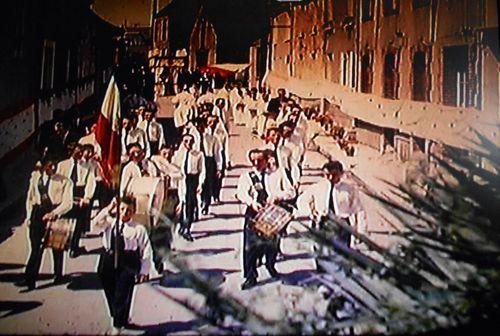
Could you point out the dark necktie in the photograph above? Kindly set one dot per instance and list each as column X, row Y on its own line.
column 186, row 163
column 43, row 189
column 147, row 131
column 202, row 144
column 142, row 167
column 121, row 241
column 331, row 206
column 74, row 172
column 262, row 194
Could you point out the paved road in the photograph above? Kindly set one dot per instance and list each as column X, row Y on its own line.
column 78, row 306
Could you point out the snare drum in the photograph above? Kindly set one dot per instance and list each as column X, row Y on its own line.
column 149, row 193
column 59, row 233
column 271, row 220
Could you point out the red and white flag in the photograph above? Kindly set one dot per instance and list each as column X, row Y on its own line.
column 108, row 133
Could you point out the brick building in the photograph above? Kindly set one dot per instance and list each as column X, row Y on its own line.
column 409, row 73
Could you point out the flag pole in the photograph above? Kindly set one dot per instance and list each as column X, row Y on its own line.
column 117, row 186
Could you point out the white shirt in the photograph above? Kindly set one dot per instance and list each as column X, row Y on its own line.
column 135, row 237
column 316, row 200
column 195, row 166
column 135, row 135
column 95, row 167
column 85, row 176
column 182, row 114
column 167, row 169
column 286, row 161
column 154, row 133
column 60, row 192
column 91, row 140
column 275, row 183
column 132, row 170
column 212, row 147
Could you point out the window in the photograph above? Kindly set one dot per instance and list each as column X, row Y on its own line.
column 421, row 77
column 390, row 76
column 164, row 30
column 421, row 3
column 366, row 73
column 391, row 7
column 455, row 88
column 158, row 31
column 48, row 56
column 367, row 10
column 348, row 69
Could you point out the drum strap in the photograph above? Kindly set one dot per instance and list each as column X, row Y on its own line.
column 259, row 187
column 43, row 189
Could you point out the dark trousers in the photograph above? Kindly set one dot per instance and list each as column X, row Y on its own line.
column 118, row 287
column 190, row 206
column 154, row 147
column 82, row 216
column 161, row 239
column 254, row 247
column 210, row 180
column 36, row 233
column 103, row 194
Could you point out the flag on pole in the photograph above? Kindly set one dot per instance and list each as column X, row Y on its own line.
column 108, row 133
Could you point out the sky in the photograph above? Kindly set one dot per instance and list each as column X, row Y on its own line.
column 134, row 11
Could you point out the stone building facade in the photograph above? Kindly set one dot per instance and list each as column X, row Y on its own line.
column 415, row 72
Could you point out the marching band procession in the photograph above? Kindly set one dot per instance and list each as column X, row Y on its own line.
column 179, row 176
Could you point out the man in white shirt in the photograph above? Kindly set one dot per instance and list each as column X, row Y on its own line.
column 50, row 196
column 293, row 141
column 84, row 186
column 256, row 189
column 333, row 197
column 137, row 166
column 212, row 149
column 219, row 111
column 222, row 135
column 192, row 165
column 90, row 139
column 131, row 242
column 154, row 133
column 286, row 161
column 132, row 134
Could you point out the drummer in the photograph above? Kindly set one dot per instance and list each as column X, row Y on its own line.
column 84, row 185
column 50, row 196
column 257, row 189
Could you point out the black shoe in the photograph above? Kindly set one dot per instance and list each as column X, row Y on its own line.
column 188, row 237
column 249, row 283
column 204, row 211
column 273, row 272
column 25, row 283
column 58, row 279
column 74, row 253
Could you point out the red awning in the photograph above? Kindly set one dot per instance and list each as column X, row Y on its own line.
column 216, row 71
